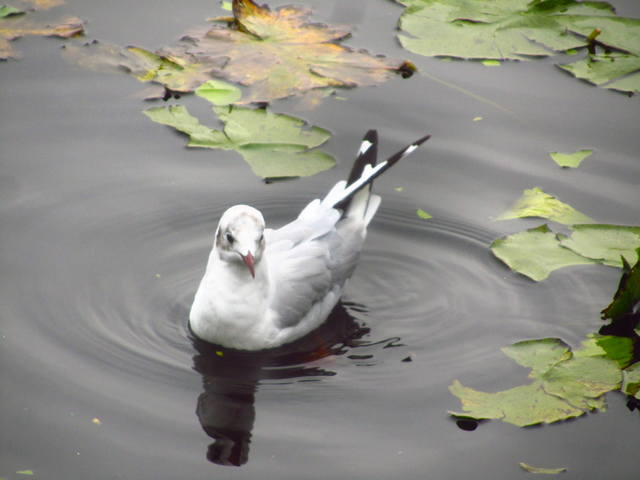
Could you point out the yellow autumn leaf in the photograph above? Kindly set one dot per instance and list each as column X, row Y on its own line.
column 274, row 53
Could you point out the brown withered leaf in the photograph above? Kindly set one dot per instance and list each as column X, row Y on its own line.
column 275, row 54
column 16, row 26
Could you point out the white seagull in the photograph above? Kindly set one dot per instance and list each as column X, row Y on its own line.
column 264, row 288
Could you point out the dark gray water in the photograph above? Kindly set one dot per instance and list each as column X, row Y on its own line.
column 106, row 224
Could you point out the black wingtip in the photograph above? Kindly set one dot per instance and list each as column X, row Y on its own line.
column 407, row 150
column 366, row 156
column 422, row 140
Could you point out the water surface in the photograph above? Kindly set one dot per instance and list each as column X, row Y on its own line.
column 106, row 225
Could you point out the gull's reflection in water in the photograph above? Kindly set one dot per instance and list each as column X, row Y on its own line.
column 230, row 379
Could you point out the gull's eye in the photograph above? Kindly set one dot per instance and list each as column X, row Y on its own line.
column 261, row 238
column 230, row 238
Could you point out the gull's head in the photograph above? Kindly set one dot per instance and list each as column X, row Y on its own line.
column 240, row 237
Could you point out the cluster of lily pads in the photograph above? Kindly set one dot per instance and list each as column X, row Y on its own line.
column 538, row 251
column 500, row 30
column 568, row 383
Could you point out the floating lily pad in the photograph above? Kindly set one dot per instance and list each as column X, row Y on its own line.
column 617, row 70
column 545, row 471
column 571, row 160
column 604, row 243
column 15, row 24
column 525, row 29
column 536, row 203
column 565, row 385
column 500, row 29
column 536, row 253
column 274, row 145
column 219, row 92
column 275, row 54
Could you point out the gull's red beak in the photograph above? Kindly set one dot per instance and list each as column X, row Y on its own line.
column 248, row 261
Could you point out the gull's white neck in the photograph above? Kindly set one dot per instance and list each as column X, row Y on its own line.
column 230, row 306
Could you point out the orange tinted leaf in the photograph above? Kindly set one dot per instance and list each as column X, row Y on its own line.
column 275, row 54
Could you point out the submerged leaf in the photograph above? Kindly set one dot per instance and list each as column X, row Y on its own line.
column 274, row 145
column 565, row 385
column 536, row 203
column 604, row 243
column 544, row 471
column 14, row 26
column 535, row 253
column 571, row 160
column 275, row 54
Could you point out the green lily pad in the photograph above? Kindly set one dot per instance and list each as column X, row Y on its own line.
column 545, row 471
column 219, row 92
column 500, row 29
column 525, row 29
column 535, row 253
column 604, row 243
column 602, row 68
column 571, row 160
column 565, row 385
column 617, row 70
column 274, row 145
column 536, row 203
